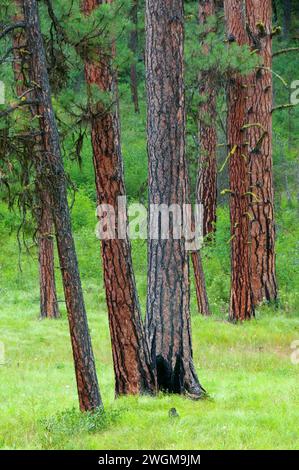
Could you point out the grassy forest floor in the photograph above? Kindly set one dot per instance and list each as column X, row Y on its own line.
column 246, row 369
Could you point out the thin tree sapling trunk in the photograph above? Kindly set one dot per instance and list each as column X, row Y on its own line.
column 207, row 180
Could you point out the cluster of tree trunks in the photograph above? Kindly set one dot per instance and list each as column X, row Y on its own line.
column 159, row 354
column 48, row 296
column 51, row 171
column 132, row 364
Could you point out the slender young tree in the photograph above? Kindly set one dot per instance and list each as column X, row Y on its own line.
column 134, row 49
column 207, row 180
column 168, row 323
column 241, row 302
column 48, row 296
column 132, row 364
column 50, row 168
column 259, row 105
column 200, row 284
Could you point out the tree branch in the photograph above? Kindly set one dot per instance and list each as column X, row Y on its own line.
column 285, row 51
column 11, row 27
column 8, row 52
column 58, row 28
column 16, row 106
column 283, row 106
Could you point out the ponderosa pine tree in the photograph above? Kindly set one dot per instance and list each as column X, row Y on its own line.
column 168, row 324
column 206, row 188
column 241, row 302
column 48, row 296
column 207, row 180
column 132, row 364
column 259, row 120
column 51, row 170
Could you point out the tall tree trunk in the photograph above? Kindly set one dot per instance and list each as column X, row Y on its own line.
column 132, row 364
column 50, row 167
column 168, row 314
column 259, row 104
column 241, row 302
column 48, row 297
column 206, row 189
column 207, row 180
column 134, row 49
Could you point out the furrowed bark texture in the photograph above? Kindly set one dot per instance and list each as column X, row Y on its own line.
column 168, row 316
column 134, row 48
column 132, row 363
column 207, row 180
column 259, row 105
column 54, row 178
column 48, row 297
column 241, row 302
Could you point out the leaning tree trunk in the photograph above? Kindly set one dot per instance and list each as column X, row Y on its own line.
column 48, row 296
column 132, row 364
column 168, row 315
column 134, row 48
column 259, row 104
column 241, row 303
column 207, row 180
column 53, row 176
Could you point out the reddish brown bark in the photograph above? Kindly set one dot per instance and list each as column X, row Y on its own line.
column 48, row 296
column 168, row 324
column 259, row 105
column 241, row 303
column 50, row 168
column 132, row 365
column 207, row 180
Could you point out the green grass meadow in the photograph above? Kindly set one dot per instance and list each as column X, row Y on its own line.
column 247, row 369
